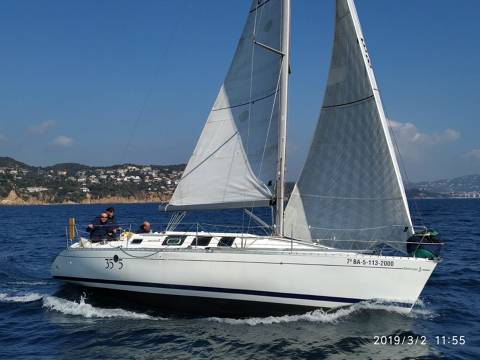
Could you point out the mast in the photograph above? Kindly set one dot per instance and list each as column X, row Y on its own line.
column 282, row 130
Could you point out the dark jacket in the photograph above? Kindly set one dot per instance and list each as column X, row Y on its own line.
column 112, row 221
column 101, row 231
column 141, row 230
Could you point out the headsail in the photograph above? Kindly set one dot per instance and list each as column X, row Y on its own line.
column 234, row 161
column 350, row 193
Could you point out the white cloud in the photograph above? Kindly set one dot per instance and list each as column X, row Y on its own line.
column 42, row 128
column 426, row 155
column 474, row 154
column 2, row 138
column 408, row 134
column 63, row 141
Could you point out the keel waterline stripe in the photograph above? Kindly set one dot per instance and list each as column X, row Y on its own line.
column 216, row 290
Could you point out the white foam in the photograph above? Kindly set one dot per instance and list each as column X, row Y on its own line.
column 327, row 317
column 313, row 316
column 20, row 298
column 81, row 308
column 418, row 310
column 28, row 283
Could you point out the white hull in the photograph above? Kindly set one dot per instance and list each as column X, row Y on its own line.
column 299, row 276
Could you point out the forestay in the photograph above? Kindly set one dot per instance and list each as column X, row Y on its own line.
column 234, row 161
column 350, row 193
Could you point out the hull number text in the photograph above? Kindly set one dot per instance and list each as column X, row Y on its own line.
column 370, row 262
column 113, row 263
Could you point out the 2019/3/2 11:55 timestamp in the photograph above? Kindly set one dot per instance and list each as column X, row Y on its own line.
column 418, row 340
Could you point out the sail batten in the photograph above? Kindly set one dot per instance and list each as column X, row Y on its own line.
column 348, row 103
column 235, row 159
column 350, row 193
column 247, row 103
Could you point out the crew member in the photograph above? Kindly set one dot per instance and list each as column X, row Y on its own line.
column 100, row 229
column 145, row 228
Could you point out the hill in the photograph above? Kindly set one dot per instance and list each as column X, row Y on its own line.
column 8, row 162
column 467, row 186
column 72, row 182
column 459, row 184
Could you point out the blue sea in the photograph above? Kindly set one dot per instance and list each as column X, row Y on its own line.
column 42, row 319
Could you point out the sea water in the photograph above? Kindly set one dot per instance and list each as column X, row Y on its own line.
column 42, row 319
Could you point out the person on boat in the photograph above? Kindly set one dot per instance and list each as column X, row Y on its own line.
column 111, row 215
column 145, row 228
column 100, row 229
column 111, row 219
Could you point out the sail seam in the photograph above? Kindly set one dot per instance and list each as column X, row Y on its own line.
column 348, row 103
column 343, row 16
column 360, row 229
column 247, row 103
column 346, row 198
column 209, row 156
column 259, row 6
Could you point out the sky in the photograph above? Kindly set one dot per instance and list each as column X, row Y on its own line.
column 114, row 81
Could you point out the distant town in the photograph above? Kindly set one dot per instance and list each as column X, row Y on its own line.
column 75, row 183
column 467, row 186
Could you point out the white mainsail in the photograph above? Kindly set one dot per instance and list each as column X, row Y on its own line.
column 235, row 160
column 350, row 193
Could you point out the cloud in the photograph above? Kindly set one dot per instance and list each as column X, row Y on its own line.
column 62, row 141
column 474, row 154
column 42, row 128
column 2, row 138
column 426, row 155
column 407, row 133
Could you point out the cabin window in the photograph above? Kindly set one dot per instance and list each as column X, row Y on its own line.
column 136, row 241
column 201, row 241
column 174, row 240
column 226, row 241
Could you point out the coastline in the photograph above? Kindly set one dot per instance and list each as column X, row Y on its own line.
column 131, row 200
column 100, row 201
column 14, row 200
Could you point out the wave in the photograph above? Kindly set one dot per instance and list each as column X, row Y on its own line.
column 20, row 298
column 313, row 316
column 27, row 283
column 81, row 308
column 330, row 316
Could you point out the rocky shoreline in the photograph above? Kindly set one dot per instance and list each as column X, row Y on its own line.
column 14, row 199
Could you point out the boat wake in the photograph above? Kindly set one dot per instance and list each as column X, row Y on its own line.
column 20, row 298
column 312, row 316
column 332, row 317
column 81, row 308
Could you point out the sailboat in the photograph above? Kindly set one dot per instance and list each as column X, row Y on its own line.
column 326, row 249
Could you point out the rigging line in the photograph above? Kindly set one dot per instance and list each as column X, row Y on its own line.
column 252, row 57
column 166, row 50
column 403, row 169
column 251, row 77
column 271, row 117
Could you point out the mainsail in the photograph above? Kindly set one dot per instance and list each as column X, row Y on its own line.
column 350, row 193
column 235, row 160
